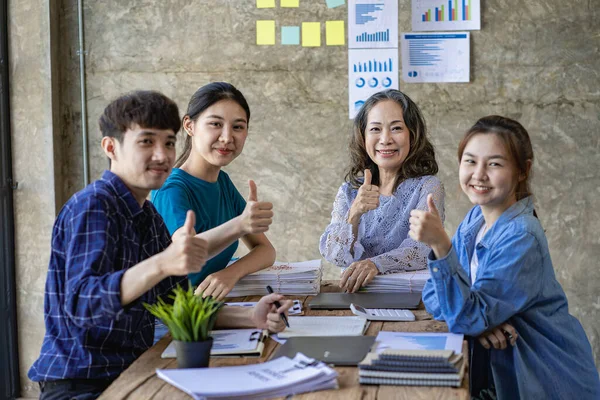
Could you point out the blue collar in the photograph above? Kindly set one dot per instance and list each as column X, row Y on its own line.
column 124, row 195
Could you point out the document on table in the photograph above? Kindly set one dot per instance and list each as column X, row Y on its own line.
column 324, row 326
column 419, row 341
column 294, row 310
column 229, row 342
column 280, row 377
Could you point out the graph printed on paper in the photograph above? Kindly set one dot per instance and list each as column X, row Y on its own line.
column 446, row 15
column 372, row 24
column 370, row 71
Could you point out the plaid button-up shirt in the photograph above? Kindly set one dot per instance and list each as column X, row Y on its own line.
column 100, row 233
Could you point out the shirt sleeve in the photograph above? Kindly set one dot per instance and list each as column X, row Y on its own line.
column 507, row 284
column 337, row 239
column 93, row 286
column 172, row 203
column 430, row 300
column 412, row 255
column 238, row 200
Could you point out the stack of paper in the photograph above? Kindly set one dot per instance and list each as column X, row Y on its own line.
column 324, row 326
column 417, row 359
column 276, row 378
column 400, row 282
column 412, row 368
column 301, row 278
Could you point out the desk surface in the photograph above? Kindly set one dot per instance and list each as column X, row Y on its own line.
column 139, row 381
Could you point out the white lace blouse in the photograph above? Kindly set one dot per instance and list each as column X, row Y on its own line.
column 383, row 232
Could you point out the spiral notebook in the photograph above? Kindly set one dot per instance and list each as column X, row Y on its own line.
column 230, row 343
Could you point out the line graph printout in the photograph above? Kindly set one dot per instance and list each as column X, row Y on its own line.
column 370, row 71
column 435, row 57
column 372, row 24
column 446, row 15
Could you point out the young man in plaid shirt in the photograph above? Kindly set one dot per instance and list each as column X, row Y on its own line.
column 111, row 252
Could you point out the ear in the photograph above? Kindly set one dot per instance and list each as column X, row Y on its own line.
column 108, row 145
column 188, row 125
column 524, row 176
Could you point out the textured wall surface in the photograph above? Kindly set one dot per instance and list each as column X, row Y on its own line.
column 535, row 61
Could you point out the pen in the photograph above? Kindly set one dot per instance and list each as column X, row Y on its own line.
column 277, row 304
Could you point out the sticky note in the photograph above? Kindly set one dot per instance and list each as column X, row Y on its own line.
column 265, row 3
column 334, row 33
column 265, row 32
column 311, row 34
column 335, row 3
column 290, row 35
column 290, row 3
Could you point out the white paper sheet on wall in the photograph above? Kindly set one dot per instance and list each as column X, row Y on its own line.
column 446, row 15
column 435, row 57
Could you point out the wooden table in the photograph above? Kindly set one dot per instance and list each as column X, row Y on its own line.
column 139, row 381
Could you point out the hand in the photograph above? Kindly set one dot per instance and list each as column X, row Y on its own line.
column 426, row 227
column 497, row 337
column 266, row 316
column 218, row 284
column 187, row 253
column 367, row 199
column 257, row 215
column 358, row 274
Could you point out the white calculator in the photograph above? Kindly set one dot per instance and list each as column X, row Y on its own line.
column 382, row 314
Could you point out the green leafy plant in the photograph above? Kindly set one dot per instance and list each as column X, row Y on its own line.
column 190, row 318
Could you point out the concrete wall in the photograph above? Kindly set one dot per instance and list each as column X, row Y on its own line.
column 535, row 61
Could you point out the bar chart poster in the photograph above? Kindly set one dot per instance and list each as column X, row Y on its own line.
column 370, row 71
column 446, row 15
column 372, row 24
column 435, row 57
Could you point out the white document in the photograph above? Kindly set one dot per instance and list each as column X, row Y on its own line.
column 243, row 342
column 324, row 326
column 435, row 57
column 446, row 15
column 419, row 341
column 370, row 71
column 294, row 310
column 372, row 24
column 279, row 377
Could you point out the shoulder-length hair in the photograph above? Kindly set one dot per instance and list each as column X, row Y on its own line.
column 420, row 160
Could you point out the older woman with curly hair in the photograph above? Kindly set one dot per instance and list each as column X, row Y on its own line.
column 391, row 173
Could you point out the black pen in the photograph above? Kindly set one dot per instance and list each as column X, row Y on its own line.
column 277, row 304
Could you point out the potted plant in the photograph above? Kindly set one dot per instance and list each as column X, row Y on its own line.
column 190, row 319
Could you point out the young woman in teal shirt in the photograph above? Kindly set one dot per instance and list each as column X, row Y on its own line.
column 216, row 124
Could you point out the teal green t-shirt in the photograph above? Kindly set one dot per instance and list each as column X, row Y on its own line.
column 214, row 204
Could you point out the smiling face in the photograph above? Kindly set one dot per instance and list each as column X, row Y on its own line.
column 218, row 134
column 387, row 140
column 488, row 175
column 143, row 159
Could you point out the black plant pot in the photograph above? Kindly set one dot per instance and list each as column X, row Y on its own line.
column 193, row 354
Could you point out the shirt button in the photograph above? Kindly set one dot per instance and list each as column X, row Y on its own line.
column 435, row 269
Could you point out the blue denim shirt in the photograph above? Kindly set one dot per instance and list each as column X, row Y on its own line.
column 515, row 283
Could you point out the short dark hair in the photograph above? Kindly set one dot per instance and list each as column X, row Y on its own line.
column 420, row 160
column 146, row 108
column 202, row 99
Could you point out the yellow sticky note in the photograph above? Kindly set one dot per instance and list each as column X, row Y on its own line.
column 334, row 33
column 290, row 3
column 265, row 33
column 265, row 3
column 311, row 34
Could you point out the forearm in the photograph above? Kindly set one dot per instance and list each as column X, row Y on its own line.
column 140, row 278
column 220, row 237
column 261, row 256
column 354, row 221
column 235, row 317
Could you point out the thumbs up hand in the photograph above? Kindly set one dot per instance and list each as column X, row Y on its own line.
column 367, row 199
column 257, row 215
column 427, row 227
column 187, row 253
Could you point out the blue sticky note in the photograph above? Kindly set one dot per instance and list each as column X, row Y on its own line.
column 335, row 3
column 290, row 35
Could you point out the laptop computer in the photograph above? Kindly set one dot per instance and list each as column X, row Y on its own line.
column 341, row 301
column 337, row 350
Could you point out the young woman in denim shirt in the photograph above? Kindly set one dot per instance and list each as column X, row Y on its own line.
column 392, row 172
column 497, row 270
